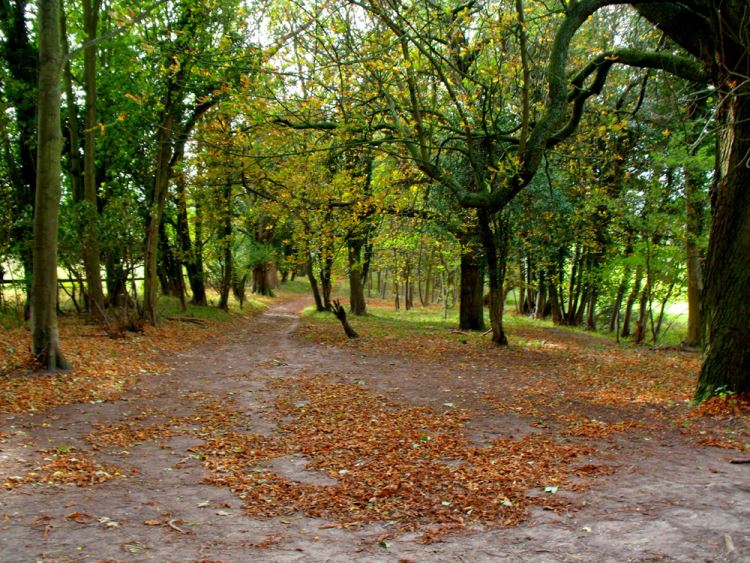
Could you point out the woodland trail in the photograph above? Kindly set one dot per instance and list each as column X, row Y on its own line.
column 667, row 500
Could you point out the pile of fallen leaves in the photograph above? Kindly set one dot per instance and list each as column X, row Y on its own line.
column 102, row 367
column 66, row 466
column 127, row 434
column 390, row 462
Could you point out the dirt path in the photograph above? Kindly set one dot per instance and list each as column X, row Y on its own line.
column 666, row 501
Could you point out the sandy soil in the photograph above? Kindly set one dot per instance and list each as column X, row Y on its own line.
column 668, row 500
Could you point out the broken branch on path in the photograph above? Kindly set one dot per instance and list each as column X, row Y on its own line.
column 340, row 313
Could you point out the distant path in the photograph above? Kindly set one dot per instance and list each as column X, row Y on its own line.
column 666, row 502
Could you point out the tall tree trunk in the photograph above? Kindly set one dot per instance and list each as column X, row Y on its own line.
column 640, row 327
column 471, row 306
column 75, row 165
column 194, row 261
column 90, row 236
column 693, row 231
column 325, row 281
column 45, row 336
column 226, row 243
column 156, row 210
column 557, row 315
column 726, row 307
column 540, row 306
column 116, row 280
column 356, row 285
column 314, row 285
column 169, row 267
column 591, row 309
column 428, row 279
column 631, row 301
column 261, row 279
column 495, row 248
column 619, row 296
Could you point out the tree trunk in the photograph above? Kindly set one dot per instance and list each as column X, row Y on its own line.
column 640, row 324
column 340, row 313
column 471, row 307
column 75, row 165
column 428, row 280
column 620, row 295
column 91, row 236
column 557, row 315
column 540, row 306
column 238, row 288
column 226, row 242
column 116, row 280
column 45, row 336
column 591, row 309
column 314, row 285
column 156, row 209
column 726, row 307
column 194, row 262
column 356, row 285
column 495, row 249
column 693, row 230
column 169, row 268
column 631, row 301
column 325, row 281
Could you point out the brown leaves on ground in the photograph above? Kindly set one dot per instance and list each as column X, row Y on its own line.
column 103, row 368
column 576, row 383
column 390, row 462
column 127, row 434
column 66, row 467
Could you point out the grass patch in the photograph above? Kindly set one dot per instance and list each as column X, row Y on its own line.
column 170, row 307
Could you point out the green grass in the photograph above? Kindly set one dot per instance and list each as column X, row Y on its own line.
column 298, row 286
column 386, row 320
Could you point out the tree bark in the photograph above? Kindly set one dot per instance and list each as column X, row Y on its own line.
column 356, row 286
column 340, row 313
column 471, row 307
column 631, row 301
column 495, row 249
column 194, row 254
column 540, row 306
column 156, row 210
column 226, row 244
column 325, row 281
column 45, row 336
column 620, row 295
column 693, row 229
column 314, row 285
column 91, row 259
column 726, row 307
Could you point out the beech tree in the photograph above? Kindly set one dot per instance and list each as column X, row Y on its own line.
column 45, row 337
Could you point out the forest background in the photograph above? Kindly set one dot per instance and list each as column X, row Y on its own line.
column 586, row 161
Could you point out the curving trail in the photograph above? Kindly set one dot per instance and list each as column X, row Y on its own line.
column 668, row 501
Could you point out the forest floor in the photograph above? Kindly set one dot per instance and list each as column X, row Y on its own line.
column 271, row 438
